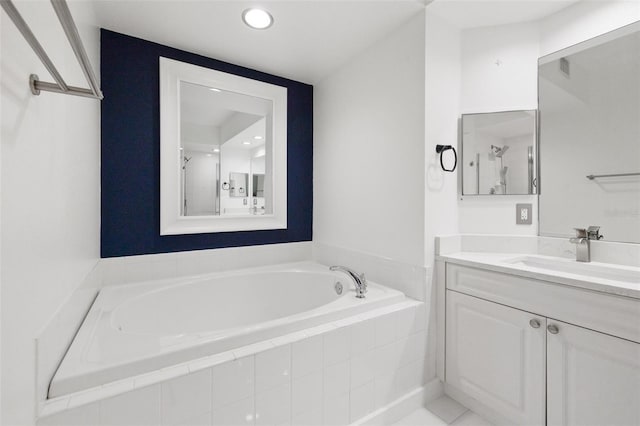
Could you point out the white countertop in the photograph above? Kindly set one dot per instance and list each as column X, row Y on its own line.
column 507, row 263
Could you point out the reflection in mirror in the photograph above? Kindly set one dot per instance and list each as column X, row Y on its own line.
column 217, row 131
column 589, row 97
column 498, row 153
column 222, row 135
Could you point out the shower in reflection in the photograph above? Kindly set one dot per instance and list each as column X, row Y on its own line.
column 501, row 170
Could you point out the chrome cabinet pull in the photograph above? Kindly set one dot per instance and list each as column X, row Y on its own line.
column 553, row 329
column 534, row 323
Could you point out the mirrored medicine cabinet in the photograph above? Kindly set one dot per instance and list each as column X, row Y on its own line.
column 223, row 151
column 499, row 153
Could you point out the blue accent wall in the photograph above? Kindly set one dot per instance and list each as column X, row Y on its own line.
column 130, row 149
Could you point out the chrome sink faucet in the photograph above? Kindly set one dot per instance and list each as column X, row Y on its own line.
column 359, row 279
column 582, row 240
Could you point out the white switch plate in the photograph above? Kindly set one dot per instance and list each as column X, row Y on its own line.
column 524, row 214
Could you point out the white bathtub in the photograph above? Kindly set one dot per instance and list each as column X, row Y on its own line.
column 136, row 328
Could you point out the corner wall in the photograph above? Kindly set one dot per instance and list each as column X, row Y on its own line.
column 49, row 196
column 369, row 150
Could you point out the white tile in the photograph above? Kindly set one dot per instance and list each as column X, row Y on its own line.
column 362, row 369
column 308, row 418
column 233, row 381
column 289, row 338
column 362, row 401
column 387, row 358
column 210, row 361
column 336, row 410
column 306, row 393
column 185, row 397
column 385, row 390
column 336, row 378
column 238, row 413
column 273, row 368
column 274, row 406
column 362, row 337
column 252, row 349
column 410, row 376
column 385, row 327
column 203, row 419
column 470, row 419
column 80, row 416
column 138, row 407
column 411, row 320
column 421, row 417
column 306, row 356
column 414, row 348
column 446, row 408
column 337, row 345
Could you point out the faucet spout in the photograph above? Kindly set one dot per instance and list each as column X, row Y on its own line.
column 359, row 279
column 583, row 246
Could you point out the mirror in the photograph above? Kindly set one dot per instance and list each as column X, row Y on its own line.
column 499, row 153
column 589, row 98
column 217, row 130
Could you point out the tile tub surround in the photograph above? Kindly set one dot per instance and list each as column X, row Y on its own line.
column 332, row 374
column 601, row 251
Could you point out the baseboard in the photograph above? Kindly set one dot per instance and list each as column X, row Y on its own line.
column 403, row 406
column 476, row 406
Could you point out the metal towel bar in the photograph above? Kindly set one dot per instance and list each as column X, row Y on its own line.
column 71, row 31
column 592, row 177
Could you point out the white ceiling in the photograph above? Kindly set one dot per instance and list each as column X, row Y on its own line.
column 485, row 13
column 308, row 40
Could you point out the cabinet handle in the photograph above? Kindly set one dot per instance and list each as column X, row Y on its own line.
column 534, row 323
column 553, row 329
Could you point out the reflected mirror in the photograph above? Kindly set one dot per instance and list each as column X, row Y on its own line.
column 217, row 130
column 589, row 96
column 499, row 153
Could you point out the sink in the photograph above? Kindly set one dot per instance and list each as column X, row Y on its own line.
column 592, row 270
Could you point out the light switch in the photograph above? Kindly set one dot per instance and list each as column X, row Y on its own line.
column 523, row 214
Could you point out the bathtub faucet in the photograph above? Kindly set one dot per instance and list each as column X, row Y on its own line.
column 358, row 279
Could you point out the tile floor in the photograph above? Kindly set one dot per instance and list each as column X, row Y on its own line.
column 443, row 411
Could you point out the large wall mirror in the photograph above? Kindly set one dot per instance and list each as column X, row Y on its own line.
column 499, row 153
column 223, row 151
column 589, row 101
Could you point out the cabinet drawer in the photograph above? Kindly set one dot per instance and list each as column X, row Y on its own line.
column 615, row 315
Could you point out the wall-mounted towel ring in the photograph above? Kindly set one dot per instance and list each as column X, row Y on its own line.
column 440, row 149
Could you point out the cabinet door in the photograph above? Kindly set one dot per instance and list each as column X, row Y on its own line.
column 496, row 355
column 592, row 378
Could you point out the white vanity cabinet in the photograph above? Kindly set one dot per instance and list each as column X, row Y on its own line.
column 526, row 352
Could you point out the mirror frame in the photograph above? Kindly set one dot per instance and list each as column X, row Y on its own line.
column 172, row 72
column 536, row 153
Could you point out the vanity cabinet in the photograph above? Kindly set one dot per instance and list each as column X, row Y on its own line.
column 533, row 363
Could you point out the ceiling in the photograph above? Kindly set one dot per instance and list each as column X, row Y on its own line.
column 308, row 40
column 485, row 13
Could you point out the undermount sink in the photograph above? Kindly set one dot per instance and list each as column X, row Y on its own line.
column 593, row 270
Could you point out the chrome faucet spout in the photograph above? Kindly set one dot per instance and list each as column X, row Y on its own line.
column 583, row 246
column 359, row 279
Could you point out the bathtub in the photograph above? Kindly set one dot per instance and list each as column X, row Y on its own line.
column 137, row 328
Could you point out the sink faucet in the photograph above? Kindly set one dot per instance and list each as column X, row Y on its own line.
column 583, row 246
column 359, row 279
column 583, row 242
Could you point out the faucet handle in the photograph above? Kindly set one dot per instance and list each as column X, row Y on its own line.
column 594, row 233
column 580, row 232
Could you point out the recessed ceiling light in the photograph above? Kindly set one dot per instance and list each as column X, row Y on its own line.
column 213, row 89
column 209, row 155
column 246, row 143
column 257, row 18
column 258, row 138
column 216, row 149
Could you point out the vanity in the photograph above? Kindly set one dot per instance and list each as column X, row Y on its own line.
column 530, row 339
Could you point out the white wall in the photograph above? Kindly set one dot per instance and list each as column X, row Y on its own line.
column 442, row 109
column 499, row 73
column 585, row 20
column 50, row 194
column 369, row 150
